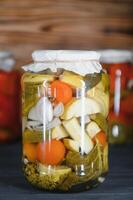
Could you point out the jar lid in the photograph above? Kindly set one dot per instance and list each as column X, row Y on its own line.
column 80, row 62
column 115, row 56
column 7, row 61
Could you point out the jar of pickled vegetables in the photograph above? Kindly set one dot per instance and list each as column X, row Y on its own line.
column 65, row 102
column 10, row 119
column 118, row 65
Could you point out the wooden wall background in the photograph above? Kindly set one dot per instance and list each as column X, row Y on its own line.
column 26, row 25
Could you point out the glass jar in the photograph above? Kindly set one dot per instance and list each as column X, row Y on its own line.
column 65, row 107
column 9, row 99
column 118, row 65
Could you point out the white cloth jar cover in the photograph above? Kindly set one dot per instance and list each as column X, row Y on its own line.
column 80, row 62
column 115, row 56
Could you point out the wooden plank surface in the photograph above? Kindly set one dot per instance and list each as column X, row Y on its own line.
column 64, row 24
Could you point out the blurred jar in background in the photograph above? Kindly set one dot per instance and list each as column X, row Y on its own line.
column 10, row 128
column 118, row 65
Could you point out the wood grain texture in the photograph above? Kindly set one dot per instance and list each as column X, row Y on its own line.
column 64, row 24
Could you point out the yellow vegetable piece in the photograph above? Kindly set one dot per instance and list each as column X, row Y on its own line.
column 74, row 130
column 92, row 129
column 72, row 79
column 101, row 98
column 79, row 107
column 59, row 132
column 71, row 144
column 36, row 78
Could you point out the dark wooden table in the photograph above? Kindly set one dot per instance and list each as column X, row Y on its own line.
column 118, row 185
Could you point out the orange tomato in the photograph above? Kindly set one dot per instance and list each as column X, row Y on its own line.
column 61, row 91
column 101, row 137
column 51, row 153
column 30, row 151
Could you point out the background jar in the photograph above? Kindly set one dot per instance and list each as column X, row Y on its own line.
column 118, row 65
column 10, row 124
column 65, row 107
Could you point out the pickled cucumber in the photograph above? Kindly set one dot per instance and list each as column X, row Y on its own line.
column 29, row 97
column 37, row 78
column 31, row 89
column 105, row 158
column 105, row 81
column 32, row 136
column 75, row 159
column 83, row 169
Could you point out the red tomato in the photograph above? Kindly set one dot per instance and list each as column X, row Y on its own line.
column 130, row 72
column 8, row 110
column 9, row 83
column 127, row 104
column 130, row 120
column 121, row 118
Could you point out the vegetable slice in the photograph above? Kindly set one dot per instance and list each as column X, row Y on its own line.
column 74, row 130
column 80, row 107
column 101, row 137
column 71, row 144
column 72, row 79
column 61, row 91
column 29, row 150
column 51, row 152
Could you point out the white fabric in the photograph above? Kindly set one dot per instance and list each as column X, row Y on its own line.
column 64, row 55
column 80, row 62
column 115, row 56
